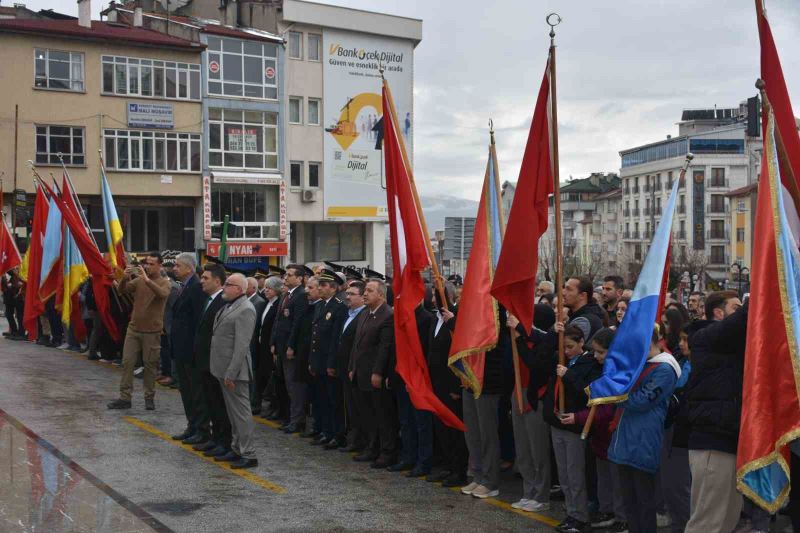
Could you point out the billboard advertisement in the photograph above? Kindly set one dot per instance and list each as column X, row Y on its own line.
column 353, row 165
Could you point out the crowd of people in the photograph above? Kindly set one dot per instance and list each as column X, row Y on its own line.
column 313, row 350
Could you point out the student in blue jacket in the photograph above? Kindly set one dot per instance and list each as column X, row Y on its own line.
column 638, row 428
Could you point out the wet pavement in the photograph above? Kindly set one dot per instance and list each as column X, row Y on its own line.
column 69, row 464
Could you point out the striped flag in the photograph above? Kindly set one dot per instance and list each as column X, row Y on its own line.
column 116, row 251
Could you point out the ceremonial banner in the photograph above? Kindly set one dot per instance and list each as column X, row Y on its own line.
column 628, row 351
column 514, row 283
column 116, row 251
column 34, row 306
column 9, row 253
column 478, row 324
column 409, row 259
column 50, row 276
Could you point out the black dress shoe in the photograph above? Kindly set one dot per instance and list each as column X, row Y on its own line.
column 119, row 404
column 365, row 457
column 216, row 451
column 400, row 467
column 350, row 448
column 309, row 434
column 195, row 439
column 150, row 404
column 255, row 410
column 437, row 476
column 418, row 472
column 93, row 357
column 185, row 435
column 229, row 457
column 245, row 463
column 334, row 444
column 320, row 440
column 382, row 462
column 204, row 446
column 455, row 480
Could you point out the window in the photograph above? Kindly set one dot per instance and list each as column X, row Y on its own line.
column 717, row 146
column 58, row 70
column 313, row 174
column 682, row 230
column 717, row 203
column 717, row 177
column 65, row 140
column 666, row 150
column 335, row 242
column 295, row 174
column 717, row 229
column 313, row 111
column 739, row 234
column 295, row 110
column 253, row 209
column 637, row 252
column 149, row 151
column 718, row 255
column 245, row 69
column 314, row 46
column 243, row 139
column 148, row 78
column 295, row 45
column 741, row 206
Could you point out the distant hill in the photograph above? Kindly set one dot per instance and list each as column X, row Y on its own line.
column 437, row 207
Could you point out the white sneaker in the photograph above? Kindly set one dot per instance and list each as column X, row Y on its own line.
column 534, row 507
column 469, row 488
column 64, row 346
column 483, row 492
column 663, row 520
column 138, row 371
column 520, row 504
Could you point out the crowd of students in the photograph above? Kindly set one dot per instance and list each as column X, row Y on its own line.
column 322, row 364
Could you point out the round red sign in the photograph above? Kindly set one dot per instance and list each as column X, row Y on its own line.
column 213, row 66
column 270, row 72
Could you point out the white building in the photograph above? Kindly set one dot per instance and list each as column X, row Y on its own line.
column 727, row 148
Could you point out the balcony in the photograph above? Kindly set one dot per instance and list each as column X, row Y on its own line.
column 680, row 235
column 635, row 189
column 669, row 185
column 636, row 212
column 626, row 235
column 647, row 211
column 627, row 190
column 611, row 216
column 646, row 187
column 626, row 212
column 572, row 205
column 716, row 208
column 718, row 183
column 635, row 235
column 658, row 211
column 682, row 209
column 657, row 187
column 718, row 235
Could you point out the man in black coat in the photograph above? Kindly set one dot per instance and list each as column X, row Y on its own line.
column 259, row 304
column 369, row 368
column 186, row 313
column 273, row 286
column 357, row 434
column 329, row 316
column 714, row 393
column 219, row 444
column 286, row 339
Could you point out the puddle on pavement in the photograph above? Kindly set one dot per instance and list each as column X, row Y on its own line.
column 43, row 490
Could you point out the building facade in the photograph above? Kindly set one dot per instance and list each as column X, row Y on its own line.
column 726, row 145
column 76, row 89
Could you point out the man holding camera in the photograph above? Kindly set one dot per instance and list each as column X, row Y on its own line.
column 143, row 339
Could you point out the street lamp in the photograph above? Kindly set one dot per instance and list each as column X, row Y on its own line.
column 740, row 270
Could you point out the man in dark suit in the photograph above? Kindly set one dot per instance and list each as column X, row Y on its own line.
column 219, row 444
column 329, row 316
column 273, row 287
column 357, row 436
column 285, row 340
column 186, row 313
column 370, row 364
column 259, row 304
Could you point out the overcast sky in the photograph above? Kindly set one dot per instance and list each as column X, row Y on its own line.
column 626, row 69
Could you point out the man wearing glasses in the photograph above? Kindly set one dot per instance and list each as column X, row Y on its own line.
column 143, row 338
column 231, row 365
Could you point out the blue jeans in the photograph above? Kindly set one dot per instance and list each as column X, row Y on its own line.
column 416, row 432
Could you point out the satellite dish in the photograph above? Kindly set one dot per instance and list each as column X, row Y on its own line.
column 172, row 5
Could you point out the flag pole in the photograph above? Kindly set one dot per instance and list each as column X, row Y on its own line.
column 437, row 277
column 512, row 332
column 553, row 20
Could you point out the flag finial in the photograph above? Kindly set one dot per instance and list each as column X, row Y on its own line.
column 381, row 68
column 491, row 131
column 553, row 20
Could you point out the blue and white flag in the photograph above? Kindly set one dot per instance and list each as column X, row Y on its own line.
column 628, row 352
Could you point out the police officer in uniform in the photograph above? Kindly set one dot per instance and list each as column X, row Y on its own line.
column 329, row 317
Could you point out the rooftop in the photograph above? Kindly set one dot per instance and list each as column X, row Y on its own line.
column 742, row 191
column 100, row 31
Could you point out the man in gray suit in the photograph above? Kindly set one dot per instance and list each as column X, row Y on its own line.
column 230, row 364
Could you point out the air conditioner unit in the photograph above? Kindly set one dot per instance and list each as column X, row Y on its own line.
column 309, row 195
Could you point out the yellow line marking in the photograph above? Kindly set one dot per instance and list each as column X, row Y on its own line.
column 507, row 507
column 249, row 476
column 277, row 488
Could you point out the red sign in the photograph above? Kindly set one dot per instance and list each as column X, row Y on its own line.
column 213, row 66
column 270, row 72
column 250, row 249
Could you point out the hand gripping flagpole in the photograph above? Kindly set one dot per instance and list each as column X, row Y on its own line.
column 553, row 20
